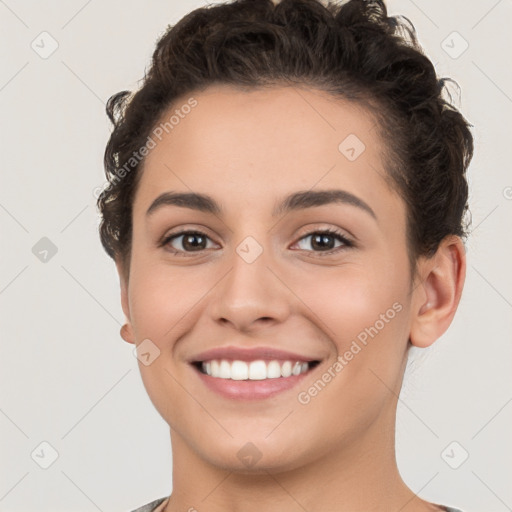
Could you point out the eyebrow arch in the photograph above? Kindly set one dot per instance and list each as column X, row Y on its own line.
column 296, row 201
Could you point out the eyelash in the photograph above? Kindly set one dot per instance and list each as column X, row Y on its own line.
column 332, row 232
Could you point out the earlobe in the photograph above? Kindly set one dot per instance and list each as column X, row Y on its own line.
column 437, row 297
column 127, row 333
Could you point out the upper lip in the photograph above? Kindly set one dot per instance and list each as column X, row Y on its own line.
column 250, row 354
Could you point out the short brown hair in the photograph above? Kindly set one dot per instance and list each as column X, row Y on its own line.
column 353, row 51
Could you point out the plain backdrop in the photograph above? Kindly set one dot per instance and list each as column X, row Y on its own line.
column 77, row 429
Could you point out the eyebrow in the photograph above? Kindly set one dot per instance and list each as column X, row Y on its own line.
column 296, row 201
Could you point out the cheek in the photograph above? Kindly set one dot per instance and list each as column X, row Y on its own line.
column 365, row 318
column 362, row 311
column 349, row 299
column 156, row 301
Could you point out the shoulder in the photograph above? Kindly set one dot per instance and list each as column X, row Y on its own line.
column 150, row 507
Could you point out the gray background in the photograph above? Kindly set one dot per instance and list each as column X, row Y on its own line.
column 69, row 380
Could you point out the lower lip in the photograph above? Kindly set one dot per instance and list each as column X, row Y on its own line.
column 250, row 389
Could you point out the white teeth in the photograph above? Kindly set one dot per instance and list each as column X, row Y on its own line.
column 239, row 370
column 224, row 370
column 286, row 369
column 273, row 370
column 255, row 370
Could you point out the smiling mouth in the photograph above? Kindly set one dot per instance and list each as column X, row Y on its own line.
column 253, row 370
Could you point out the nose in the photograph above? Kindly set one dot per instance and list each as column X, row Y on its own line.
column 251, row 295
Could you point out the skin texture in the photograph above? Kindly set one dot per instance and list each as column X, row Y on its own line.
column 248, row 150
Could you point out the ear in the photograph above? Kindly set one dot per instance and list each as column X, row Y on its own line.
column 438, row 293
column 126, row 330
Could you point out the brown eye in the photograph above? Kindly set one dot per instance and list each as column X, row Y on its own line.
column 186, row 241
column 323, row 241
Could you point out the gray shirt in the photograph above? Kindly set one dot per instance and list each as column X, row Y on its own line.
column 150, row 507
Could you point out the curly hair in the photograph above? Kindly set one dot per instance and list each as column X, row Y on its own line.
column 354, row 51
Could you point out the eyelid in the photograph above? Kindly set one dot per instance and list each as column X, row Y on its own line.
column 187, row 228
column 308, row 230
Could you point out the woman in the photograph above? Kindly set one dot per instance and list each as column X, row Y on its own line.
column 286, row 213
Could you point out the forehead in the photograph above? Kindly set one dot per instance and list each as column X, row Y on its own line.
column 249, row 144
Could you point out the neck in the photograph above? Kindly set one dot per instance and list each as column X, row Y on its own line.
column 359, row 476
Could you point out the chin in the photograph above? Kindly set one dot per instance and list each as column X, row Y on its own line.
column 250, row 454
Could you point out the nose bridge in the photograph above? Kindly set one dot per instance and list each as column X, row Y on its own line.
column 250, row 291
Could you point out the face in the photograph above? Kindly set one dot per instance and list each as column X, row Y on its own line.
column 277, row 272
